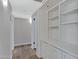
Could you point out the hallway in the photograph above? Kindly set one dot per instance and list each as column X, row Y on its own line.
column 38, row 29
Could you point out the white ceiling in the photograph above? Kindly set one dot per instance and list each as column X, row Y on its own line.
column 24, row 8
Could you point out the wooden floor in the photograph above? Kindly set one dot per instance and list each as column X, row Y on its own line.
column 24, row 52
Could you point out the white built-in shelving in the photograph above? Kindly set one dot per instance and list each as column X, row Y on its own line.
column 57, row 30
column 69, row 21
column 63, row 24
column 53, row 23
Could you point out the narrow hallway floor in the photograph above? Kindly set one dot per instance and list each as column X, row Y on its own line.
column 24, row 52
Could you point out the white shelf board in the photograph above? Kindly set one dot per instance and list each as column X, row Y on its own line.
column 53, row 26
column 68, row 11
column 53, row 18
column 53, row 7
column 66, row 23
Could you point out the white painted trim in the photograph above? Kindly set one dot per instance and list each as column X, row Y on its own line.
column 22, row 44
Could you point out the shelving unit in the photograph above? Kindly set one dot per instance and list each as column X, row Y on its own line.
column 63, row 25
column 53, row 23
column 69, row 21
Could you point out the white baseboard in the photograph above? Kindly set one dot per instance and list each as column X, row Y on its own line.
column 21, row 44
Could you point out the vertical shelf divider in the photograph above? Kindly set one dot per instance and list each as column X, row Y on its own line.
column 59, row 24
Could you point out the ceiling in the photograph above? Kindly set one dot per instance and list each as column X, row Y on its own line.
column 24, row 8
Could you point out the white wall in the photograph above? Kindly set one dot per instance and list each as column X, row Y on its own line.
column 5, row 48
column 22, row 31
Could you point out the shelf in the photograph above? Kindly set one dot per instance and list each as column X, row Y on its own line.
column 54, row 7
column 66, row 23
column 64, row 46
column 53, row 13
column 69, row 11
column 53, row 26
column 53, row 18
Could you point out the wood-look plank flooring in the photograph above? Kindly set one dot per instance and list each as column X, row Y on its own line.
column 24, row 52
